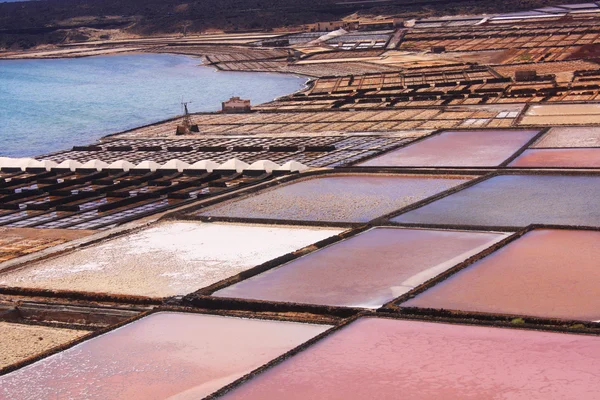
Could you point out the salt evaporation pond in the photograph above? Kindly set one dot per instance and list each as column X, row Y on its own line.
column 184, row 355
column 588, row 136
column 367, row 270
column 545, row 273
column 516, row 201
column 457, row 149
column 559, row 158
column 167, row 259
column 18, row 342
column 337, row 198
column 375, row 358
column 49, row 105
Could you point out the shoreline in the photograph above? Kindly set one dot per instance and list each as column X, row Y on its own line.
column 101, row 137
column 134, row 52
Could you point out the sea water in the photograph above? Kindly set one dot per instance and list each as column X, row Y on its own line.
column 50, row 105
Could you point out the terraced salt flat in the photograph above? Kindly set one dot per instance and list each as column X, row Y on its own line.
column 366, row 270
column 375, row 358
column 562, row 114
column 337, row 198
column 18, row 342
column 164, row 355
column 557, row 158
column 570, row 137
column 457, row 149
column 172, row 258
column 516, row 201
column 545, row 273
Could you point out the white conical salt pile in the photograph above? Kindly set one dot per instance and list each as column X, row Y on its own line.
column 147, row 165
column 263, row 165
column 175, row 165
column 98, row 165
column 331, row 35
column 233, row 164
column 122, row 165
column 293, row 166
column 25, row 163
column 35, row 164
column 4, row 160
column 69, row 164
column 208, row 165
column 47, row 164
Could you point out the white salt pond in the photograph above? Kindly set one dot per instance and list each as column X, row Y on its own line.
column 171, row 258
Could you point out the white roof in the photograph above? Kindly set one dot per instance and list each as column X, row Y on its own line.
column 46, row 164
column 150, row 165
column 208, row 165
column 28, row 163
column 292, row 166
column 25, row 163
column 175, row 164
column 263, row 165
column 121, row 164
column 21, row 163
column 95, row 164
column 234, row 164
column 69, row 164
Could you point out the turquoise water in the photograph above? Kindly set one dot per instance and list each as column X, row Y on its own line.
column 49, row 105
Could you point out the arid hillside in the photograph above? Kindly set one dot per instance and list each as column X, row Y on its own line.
column 26, row 24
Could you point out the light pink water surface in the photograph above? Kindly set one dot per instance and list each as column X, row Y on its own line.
column 457, row 149
column 187, row 356
column 393, row 359
column 566, row 158
column 366, row 270
column 545, row 273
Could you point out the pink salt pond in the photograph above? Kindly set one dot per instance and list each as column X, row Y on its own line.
column 545, row 273
column 565, row 158
column 457, row 149
column 394, row 359
column 164, row 355
column 366, row 270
